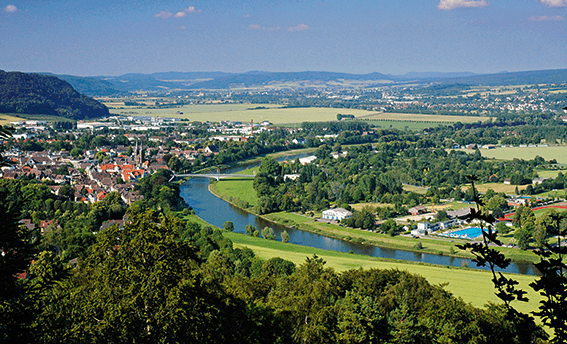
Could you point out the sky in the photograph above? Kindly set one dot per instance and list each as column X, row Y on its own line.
column 103, row 37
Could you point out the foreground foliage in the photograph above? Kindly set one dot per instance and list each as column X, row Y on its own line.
column 159, row 280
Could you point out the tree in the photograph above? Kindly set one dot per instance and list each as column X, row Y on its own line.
column 522, row 237
column 285, row 237
column 139, row 284
column 268, row 233
column 18, row 247
column 229, row 226
column 270, row 167
column 250, row 230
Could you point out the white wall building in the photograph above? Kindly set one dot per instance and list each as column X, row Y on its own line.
column 336, row 214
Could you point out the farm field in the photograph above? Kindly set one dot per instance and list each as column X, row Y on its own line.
column 458, row 280
column 276, row 115
column 404, row 125
column 553, row 152
column 243, row 113
column 549, row 173
column 393, row 116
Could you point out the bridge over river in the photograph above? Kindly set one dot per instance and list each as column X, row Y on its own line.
column 216, row 176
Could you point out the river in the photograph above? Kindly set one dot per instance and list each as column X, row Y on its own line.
column 216, row 211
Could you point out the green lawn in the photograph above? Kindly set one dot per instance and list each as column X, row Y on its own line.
column 472, row 285
column 236, row 188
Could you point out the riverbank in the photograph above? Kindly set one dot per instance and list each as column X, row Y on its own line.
column 458, row 281
column 232, row 190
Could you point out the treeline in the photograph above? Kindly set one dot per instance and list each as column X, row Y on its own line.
column 158, row 279
column 45, row 95
column 366, row 174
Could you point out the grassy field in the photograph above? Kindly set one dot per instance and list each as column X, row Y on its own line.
column 553, row 194
column 417, row 189
column 241, row 188
column 498, row 187
column 554, row 152
column 458, row 280
column 6, row 119
column 549, row 173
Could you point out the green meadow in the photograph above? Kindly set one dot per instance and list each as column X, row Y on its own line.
column 473, row 286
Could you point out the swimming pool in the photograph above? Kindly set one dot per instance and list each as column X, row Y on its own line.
column 467, row 233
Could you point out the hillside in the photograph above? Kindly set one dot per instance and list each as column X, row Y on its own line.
column 45, row 95
column 90, row 86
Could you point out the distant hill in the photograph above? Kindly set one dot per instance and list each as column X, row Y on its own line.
column 46, row 95
column 551, row 76
column 90, row 86
column 434, row 75
column 119, row 85
column 265, row 78
column 159, row 81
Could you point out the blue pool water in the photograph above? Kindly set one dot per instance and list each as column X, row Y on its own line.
column 468, row 233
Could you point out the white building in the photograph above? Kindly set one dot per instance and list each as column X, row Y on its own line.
column 336, row 214
column 307, row 159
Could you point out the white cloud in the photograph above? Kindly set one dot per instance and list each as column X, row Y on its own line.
column 453, row 4
column 163, row 15
column 180, row 14
column 191, row 9
column 255, row 27
column 546, row 18
column 300, row 27
column 10, row 9
column 554, row 3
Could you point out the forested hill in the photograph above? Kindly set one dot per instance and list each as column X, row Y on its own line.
column 46, row 95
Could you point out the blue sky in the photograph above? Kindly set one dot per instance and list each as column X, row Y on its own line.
column 85, row 37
